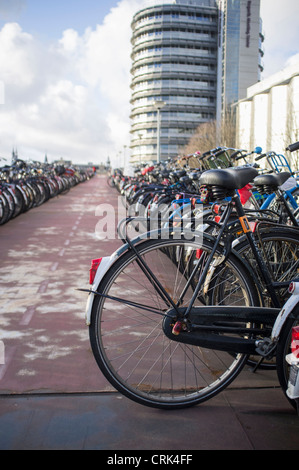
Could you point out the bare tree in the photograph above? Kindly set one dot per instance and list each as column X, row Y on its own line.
column 203, row 139
column 210, row 135
column 228, row 129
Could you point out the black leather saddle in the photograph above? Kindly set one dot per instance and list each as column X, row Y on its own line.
column 230, row 178
column 273, row 180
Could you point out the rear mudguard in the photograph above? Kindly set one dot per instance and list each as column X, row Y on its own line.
column 107, row 262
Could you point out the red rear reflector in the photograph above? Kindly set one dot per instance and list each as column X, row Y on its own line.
column 292, row 287
column 216, row 208
column 295, row 341
column 198, row 253
column 95, row 263
column 253, row 226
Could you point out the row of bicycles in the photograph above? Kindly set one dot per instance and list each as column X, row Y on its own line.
column 208, row 283
column 25, row 185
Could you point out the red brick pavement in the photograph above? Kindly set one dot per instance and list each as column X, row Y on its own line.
column 45, row 256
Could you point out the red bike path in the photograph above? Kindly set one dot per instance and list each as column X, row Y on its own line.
column 52, row 394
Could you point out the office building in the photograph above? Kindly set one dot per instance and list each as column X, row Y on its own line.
column 190, row 60
column 269, row 115
column 240, row 51
column 174, row 61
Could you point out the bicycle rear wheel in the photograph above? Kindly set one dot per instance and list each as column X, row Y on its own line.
column 128, row 341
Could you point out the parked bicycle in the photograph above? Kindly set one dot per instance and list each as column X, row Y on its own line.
column 24, row 185
column 174, row 316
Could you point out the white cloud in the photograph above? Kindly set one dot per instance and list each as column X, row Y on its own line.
column 293, row 60
column 16, row 56
column 70, row 98
column 280, row 23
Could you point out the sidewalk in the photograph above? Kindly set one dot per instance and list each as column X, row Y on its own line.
column 238, row 419
column 52, row 394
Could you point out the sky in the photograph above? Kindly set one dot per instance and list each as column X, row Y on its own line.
column 65, row 74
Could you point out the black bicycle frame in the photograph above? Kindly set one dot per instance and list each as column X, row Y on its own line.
column 235, row 203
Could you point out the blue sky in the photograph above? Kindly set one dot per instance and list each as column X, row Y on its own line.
column 65, row 66
column 49, row 18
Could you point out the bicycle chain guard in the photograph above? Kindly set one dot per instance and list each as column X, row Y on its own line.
column 210, row 327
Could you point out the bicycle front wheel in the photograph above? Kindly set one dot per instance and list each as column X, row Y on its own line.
column 280, row 251
column 128, row 341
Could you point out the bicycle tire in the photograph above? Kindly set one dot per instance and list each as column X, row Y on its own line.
column 11, row 203
column 5, row 211
column 110, row 182
column 189, row 375
column 18, row 202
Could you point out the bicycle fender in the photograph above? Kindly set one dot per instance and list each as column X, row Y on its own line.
column 285, row 312
column 108, row 261
column 101, row 271
column 103, row 268
column 163, row 233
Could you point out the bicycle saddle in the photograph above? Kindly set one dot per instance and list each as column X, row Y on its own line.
column 230, row 178
column 185, row 179
column 194, row 176
column 272, row 180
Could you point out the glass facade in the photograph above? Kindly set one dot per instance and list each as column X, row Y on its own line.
column 196, row 56
column 232, row 41
column 174, row 60
column 240, row 50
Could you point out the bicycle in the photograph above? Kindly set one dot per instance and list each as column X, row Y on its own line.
column 269, row 197
column 155, row 330
column 25, row 185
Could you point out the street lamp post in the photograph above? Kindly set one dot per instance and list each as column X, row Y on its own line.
column 140, row 137
column 159, row 104
column 125, row 156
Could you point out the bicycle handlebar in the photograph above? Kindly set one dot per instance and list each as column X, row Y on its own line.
column 234, row 154
column 210, row 152
column 263, row 155
column 293, row 147
column 243, row 155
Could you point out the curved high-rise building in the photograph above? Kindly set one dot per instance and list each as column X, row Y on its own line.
column 174, row 75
